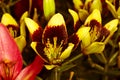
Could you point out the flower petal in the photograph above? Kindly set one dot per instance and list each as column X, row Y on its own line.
column 49, row 67
column 78, row 4
column 82, row 32
column 112, row 25
column 31, row 71
column 10, row 54
column 95, row 47
column 35, row 29
column 38, row 48
column 7, row 19
column 55, row 28
column 75, row 18
column 86, row 40
column 19, row 40
column 83, row 14
column 96, row 4
column 111, row 8
column 66, row 53
column 95, row 15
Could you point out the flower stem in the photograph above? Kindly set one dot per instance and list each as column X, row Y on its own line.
column 73, row 59
column 106, row 76
column 56, row 74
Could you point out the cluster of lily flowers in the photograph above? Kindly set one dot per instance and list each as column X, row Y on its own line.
column 52, row 44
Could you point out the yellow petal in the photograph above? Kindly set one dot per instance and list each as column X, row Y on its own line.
column 111, row 8
column 56, row 20
column 22, row 24
column 96, row 4
column 83, row 14
column 87, row 4
column 7, row 19
column 112, row 25
column 77, row 4
column 21, row 42
column 86, row 40
column 82, row 32
column 74, row 15
column 24, row 15
column 33, row 45
column 31, row 25
column 49, row 67
column 66, row 53
column 95, row 47
column 95, row 15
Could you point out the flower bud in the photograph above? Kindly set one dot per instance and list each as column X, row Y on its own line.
column 48, row 8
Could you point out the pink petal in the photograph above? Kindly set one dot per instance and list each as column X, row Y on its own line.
column 9, row 53
column 30, row 72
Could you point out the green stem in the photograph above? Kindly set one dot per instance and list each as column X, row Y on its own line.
column 106, row 69
column 56, row 74
column 115, row 41
column 94, row 65
column 73, row 59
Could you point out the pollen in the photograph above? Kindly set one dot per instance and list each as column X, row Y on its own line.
column 53, row 50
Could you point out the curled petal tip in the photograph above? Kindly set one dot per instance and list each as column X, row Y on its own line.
column 31, row 25
column 74, row 15
column 25, row 14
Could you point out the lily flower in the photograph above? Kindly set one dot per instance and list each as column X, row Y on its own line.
column 98, row 36
column 52, row 44
column 114, row 8
column 85, row 8
column 16, row 30
column 11, row 60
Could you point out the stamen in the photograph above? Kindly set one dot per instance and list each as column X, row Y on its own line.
column 8, row 69
column 55, row 42
column 53, row 51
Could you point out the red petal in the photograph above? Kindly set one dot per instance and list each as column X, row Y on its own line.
column 30, row 72
column 9, row 52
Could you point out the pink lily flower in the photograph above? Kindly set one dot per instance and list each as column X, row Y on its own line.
column 11, row 60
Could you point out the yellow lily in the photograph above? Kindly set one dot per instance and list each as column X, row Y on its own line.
column 53, row 44
column 14, row 28
column 95, row 40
